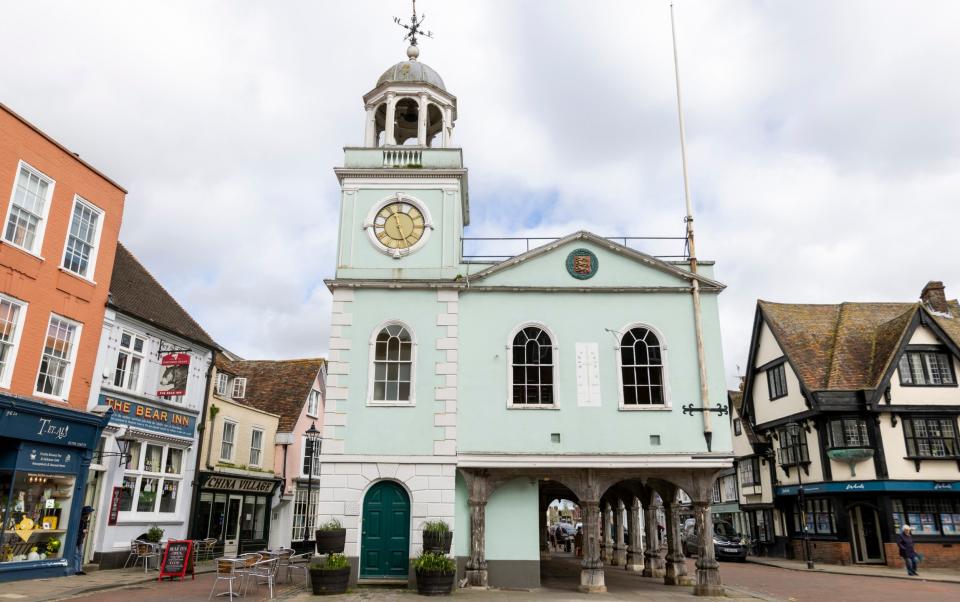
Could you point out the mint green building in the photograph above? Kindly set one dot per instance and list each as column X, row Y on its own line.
column 476, row 391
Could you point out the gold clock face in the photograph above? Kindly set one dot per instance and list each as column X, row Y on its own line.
column 398, row 225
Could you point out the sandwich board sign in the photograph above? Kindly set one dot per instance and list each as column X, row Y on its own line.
column 177, row 560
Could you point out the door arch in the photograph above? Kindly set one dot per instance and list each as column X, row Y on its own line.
column 385, row 532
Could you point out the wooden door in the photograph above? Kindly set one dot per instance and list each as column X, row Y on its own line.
column 385, row 537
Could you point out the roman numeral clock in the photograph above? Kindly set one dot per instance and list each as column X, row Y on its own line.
column 398, row 225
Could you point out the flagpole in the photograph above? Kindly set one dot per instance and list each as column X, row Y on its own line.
column 691, row 249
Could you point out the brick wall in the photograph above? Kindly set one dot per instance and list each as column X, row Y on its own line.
column 936, row 555
column 827, row 552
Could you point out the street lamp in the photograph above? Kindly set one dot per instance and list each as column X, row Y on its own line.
column 316, row 441
column 793, row 429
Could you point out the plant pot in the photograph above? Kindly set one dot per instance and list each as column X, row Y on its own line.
column 329, row 581
column 434, row 541
column 435, row 583
column 331, row 542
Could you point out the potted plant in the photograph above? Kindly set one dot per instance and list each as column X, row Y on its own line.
column 437, row 537
column 154, row 534
column 331, row 537
column 435, row 574
column 329, row 574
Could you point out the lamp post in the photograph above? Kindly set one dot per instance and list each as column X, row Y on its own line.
column 794, row 430
column 313, row 436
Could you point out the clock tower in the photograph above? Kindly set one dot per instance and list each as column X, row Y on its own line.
column 404, row 192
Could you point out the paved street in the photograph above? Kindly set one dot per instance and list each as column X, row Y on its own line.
column 560, row 580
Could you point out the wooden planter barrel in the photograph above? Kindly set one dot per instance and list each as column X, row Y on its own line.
column 331, row 542
column 326, row 582
column 434, row 541
column 435, row 583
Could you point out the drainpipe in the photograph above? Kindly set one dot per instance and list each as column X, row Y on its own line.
column 691, row 249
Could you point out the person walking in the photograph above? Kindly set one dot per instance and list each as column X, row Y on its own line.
column 907, row 551
column 81, row 536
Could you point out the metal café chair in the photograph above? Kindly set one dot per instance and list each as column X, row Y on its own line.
column 283, row 561
column 245, row 566
column 300, row 562
column 264, row 571
column 144, row 551
column 227, row 571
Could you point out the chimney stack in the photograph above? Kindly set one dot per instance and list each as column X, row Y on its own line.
column 934, row 298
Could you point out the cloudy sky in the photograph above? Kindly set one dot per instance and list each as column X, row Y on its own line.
column 824, row 139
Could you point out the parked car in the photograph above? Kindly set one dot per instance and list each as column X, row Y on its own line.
column 727, row 543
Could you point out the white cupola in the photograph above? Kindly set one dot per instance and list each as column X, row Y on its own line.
column 410, row 106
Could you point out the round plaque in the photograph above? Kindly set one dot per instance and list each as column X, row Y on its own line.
column 582, row 264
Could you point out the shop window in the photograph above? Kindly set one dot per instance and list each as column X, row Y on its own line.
column 174, row 461
column 129, row 360
column 641, row 368
column 934, row 437
column 58, row 355
column 764, row 525
column 928, row 516
column 847, row 432
column 28, row 209
column 226, row 442
column 168, row 497
column 11, row 323
column 151, row 459
column 151, row 482
column 36, row 517
column 777, row 381
column 926, row 369
column 80, row 252
column 819, row 515
column 126, row 493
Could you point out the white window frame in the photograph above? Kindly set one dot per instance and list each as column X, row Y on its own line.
column 259, row 450
column 6, row 374
column 556, row 368
column 42, row 225
column 239, row 383
column 130, row 353
column 92, row 262
column 313, row 403
column 300, row 522
column 371, row 366
column 667, row 404
column 232, row 442
column 71, row 362
column 303, row 458
column 224, row 379
column 139, row 473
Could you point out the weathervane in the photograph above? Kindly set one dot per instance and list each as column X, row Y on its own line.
column 413, row 30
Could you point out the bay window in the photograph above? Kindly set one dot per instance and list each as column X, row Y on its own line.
column 848, row 432
column 931, row 437
column 151, row 482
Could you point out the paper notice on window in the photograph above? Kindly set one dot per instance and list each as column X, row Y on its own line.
column 588, row 375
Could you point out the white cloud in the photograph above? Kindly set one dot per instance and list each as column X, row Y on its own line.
column 824, row 146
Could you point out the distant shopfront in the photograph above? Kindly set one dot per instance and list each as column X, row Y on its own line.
column 235, row 510
column 153, row 487
column 45, row 452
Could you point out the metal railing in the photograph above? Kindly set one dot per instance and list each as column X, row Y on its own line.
column 482, row 248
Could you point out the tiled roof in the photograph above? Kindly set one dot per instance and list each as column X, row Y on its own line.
column 276, row 386
column 134, row 291
column 846, row 347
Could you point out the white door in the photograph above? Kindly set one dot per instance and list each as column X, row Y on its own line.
column 231, row 532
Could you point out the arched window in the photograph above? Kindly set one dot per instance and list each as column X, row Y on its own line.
column 641, row 366
column 532, row 367
column 392, row 364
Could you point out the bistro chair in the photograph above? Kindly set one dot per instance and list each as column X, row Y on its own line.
column 264, row 571
column 283, row 561
column 245, row 566
column 133, row 552
column 227, row 571
column 144, row 551
column 211, row 547
column 300, row 562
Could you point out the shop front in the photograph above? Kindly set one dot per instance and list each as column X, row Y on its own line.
column 235, row 510
column 45, row 453
column 149, row 485
column 857, row 521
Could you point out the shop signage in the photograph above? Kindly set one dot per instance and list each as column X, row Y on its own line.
column 239, row 484
column 45, row 458
column 177, row 560
column 862, row 486
column 175, row 369
column 150, row 417
column 114, row 505
column 18, row 424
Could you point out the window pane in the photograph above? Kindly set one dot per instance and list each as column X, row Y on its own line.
column 151, row 460
column 174, row 459
column 126, row 492
column 148, row 495
column 168, row 499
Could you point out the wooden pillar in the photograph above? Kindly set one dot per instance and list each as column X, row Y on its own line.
column 634, row 560
column 477, row 486
column 619, row 546
column 708, row 570
column 591, row 571
column 653, row 563
column 676, row 568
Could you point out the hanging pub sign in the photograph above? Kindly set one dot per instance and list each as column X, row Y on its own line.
column 175, row 368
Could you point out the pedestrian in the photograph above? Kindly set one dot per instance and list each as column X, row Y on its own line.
column 578, row 542
column 907, row 551
column 81, row 536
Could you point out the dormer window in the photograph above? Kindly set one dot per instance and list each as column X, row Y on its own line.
column 223, row 384
column 239, row 388
column 926, row 369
